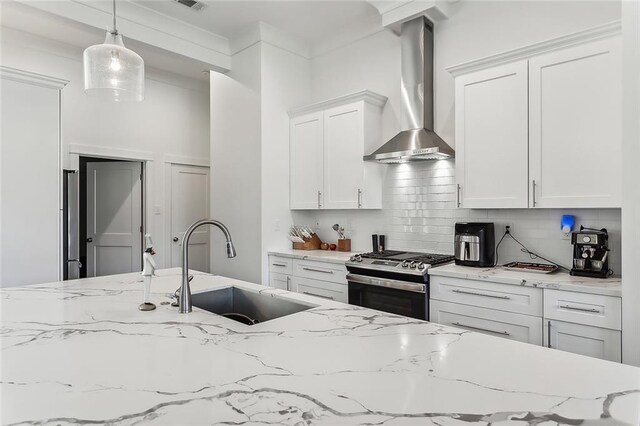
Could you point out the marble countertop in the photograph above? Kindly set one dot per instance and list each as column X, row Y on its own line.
column 318, row 255
column 558, row 280
column 80, row 352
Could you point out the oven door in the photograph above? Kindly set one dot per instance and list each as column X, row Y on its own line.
column 387, row 295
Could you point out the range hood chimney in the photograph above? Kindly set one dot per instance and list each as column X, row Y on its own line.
column 417, row 141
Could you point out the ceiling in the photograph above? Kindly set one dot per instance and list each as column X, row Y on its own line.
column 309, row 20
column 320, row 24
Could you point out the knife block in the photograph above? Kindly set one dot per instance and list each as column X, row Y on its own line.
column 344, row 245
column 312, row 244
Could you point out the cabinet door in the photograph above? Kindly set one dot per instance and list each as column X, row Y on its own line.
column 575, row 126
column 491, row 137
column 343, row 151
column 522, row 328
column 306, row 159
column 281, row 281
column 583, row 339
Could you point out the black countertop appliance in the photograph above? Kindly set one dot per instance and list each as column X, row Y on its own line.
column 474, row 244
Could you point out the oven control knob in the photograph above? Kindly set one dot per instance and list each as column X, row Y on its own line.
column 352, row 258
column 358, row 258
column 412, row 265
column 405, row 264
column 421, row 266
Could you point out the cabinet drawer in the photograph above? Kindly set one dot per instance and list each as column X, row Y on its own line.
column 522, row 328
column 324, row 289
column 281, row 265
column 281, row 281
column 333, row 272
column 504, row 297
column 581, row 339
column 583, row 308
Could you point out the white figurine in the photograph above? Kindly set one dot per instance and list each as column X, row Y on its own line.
column 148, row 271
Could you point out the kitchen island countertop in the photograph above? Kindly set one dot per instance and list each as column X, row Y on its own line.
column 80, row 351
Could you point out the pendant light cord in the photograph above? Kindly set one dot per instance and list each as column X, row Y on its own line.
column 115, row 30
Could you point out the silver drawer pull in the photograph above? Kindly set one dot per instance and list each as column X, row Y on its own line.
column 317, row 270
column 573, row 308
column 504, row 333
column 279, row 264
column 317, row 295
column 473, row 293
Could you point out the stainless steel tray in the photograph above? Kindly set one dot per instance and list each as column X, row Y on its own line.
column 536, row 268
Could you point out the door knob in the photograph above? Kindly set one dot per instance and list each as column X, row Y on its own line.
column 175, row 239
column 89, row 240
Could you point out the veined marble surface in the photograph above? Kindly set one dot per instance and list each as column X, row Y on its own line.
column 611, row 286
column 80, row 352
column 331, row 256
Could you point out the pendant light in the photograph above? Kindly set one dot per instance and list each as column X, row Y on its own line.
column 112, row 71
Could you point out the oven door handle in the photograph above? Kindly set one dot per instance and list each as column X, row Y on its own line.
column 387, row 283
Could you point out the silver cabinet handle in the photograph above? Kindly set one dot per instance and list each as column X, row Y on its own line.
column 504, row 333
column 548, row 334
column 282, row 265
column 317, row 295
column 473, row 293
column 288, row 283
column 317, row 270
column 359, row 198
column 534, row 192
column 574, row 308
column 319, row 199
column 458, row 195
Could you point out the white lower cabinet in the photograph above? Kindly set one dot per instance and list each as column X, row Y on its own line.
column 582, row 339
column 281, row 281
column 581, row 323
column 523, row 328
column 316, row 278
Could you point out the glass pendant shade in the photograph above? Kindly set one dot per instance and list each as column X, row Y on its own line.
column 112, row 71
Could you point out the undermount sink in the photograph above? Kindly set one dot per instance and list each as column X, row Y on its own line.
column 245, row 306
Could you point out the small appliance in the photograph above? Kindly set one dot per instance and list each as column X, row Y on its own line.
column 474, row 244
column 590, row 252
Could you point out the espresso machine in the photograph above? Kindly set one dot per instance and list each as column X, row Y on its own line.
column 590, row 252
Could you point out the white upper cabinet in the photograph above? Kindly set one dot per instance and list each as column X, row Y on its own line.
column 575, row 126
column 306, row 161
column 541, row 128
column 328, row 141
column 491, row 137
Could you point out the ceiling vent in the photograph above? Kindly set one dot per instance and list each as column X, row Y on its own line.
column 192, row 4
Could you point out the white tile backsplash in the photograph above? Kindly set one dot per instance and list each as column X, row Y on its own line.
column 419, row 213
column 420, row 200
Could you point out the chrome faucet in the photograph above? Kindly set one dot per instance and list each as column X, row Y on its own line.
column 184, row 299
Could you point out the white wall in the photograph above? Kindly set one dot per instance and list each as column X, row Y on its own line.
column 418, row 201
column 631, row 177
column 172, row 120
column 236, row 165
column 285, row 84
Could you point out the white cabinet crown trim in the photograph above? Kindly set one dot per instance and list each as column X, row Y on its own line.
column 32, row 78
column 591, row 34
column 368, row 96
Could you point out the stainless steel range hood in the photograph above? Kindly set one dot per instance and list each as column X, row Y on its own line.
column 417, row 141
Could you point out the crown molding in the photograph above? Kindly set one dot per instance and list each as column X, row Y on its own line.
column 263, row 32
column 394, row 13
column 367, row 96
column 33, row 78
column 607, row 30
column 140, row 23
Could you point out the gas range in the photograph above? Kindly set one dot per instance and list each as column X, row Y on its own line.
column 393, row 281
column 396, row 264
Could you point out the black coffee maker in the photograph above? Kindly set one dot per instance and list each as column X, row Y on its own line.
column 590, row 253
